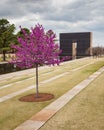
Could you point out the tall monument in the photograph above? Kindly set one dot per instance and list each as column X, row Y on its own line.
column 83, row 41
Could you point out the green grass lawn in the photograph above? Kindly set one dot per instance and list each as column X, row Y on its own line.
column 13, row 112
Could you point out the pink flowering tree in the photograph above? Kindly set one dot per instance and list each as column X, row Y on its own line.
column 36, row 48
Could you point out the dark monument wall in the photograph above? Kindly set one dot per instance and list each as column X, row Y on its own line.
column 83, row 40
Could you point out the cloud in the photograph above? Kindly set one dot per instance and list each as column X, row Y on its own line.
column 59, row 15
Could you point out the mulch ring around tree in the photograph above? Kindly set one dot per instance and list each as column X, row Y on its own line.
column 33, row 98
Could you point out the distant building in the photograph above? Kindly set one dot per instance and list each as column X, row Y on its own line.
column 76, row 45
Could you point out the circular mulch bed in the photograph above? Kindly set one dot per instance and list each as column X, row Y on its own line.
column 33, row 98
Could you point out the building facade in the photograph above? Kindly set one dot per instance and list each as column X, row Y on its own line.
column 76, row 44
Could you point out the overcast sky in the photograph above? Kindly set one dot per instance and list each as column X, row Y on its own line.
column 58, row 15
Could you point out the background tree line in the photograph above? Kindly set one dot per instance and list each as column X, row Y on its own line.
column 98, row 51
column 7, row 37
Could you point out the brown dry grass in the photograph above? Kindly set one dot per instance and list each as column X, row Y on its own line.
column 84, row 112
column 13, row 112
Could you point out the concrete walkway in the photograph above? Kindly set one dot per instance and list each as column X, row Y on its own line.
column 39, row 119
column 28, row 71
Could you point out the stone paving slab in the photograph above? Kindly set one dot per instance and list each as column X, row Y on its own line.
column 43, row 115
column 30, row 125
column 39, row 119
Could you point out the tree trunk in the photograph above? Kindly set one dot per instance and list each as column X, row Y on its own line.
column 4, row 56
column 37, row 91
